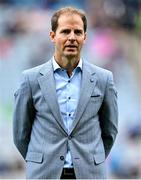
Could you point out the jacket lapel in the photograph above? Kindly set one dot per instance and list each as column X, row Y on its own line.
column 88, row 83
column 48, row 89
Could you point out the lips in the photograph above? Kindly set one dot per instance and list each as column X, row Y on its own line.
column 70, row 46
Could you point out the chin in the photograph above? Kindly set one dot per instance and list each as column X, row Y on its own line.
column 71, row 55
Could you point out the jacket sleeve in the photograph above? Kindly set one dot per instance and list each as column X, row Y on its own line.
column 23, row 116
column 109, row 115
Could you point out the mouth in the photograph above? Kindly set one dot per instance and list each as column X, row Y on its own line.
column 71, row 47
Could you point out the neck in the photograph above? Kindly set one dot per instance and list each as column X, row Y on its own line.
column 68, row 63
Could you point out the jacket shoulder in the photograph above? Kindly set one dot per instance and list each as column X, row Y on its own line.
column 34, row 72
column 98, row 70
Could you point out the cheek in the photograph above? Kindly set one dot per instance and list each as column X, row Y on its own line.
column 81, row 43
column 59, row 42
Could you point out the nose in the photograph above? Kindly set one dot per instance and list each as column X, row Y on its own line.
column 71, row 36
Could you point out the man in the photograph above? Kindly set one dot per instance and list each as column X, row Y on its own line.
column 65, row 119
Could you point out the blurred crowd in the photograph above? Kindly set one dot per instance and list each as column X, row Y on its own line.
column 113, row 42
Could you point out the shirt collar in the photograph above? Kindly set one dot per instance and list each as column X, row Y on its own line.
column 56, row 65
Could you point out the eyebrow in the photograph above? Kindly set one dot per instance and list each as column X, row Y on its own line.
column 67, row 29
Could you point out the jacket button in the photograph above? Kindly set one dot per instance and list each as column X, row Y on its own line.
column 70, row 137
column 62, row 158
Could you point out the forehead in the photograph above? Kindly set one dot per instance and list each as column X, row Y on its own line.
column 70, row 20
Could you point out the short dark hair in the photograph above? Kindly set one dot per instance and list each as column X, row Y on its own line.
column 67, row 10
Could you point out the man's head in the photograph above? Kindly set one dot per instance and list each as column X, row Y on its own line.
column 67, row 10
column 68, row 33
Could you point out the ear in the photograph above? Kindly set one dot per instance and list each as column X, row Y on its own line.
column 85, row 36
column 52, row 36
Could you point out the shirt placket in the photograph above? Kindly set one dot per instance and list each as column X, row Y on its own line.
column 68, row 105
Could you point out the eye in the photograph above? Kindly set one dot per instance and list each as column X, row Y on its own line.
column 65, row 31
column 78, row 32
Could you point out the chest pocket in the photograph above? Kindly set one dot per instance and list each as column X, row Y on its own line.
column 94, row 104
column 96, row 98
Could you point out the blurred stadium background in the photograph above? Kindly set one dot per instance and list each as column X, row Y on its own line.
column 114, row 42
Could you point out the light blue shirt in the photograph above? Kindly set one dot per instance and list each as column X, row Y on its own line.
column 68, row 91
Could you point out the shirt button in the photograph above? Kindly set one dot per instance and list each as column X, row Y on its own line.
column 62, row 158
column 69, row 97
column 68, row 81
column 69, row 114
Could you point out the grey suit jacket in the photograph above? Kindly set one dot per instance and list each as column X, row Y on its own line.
column 41, row 136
